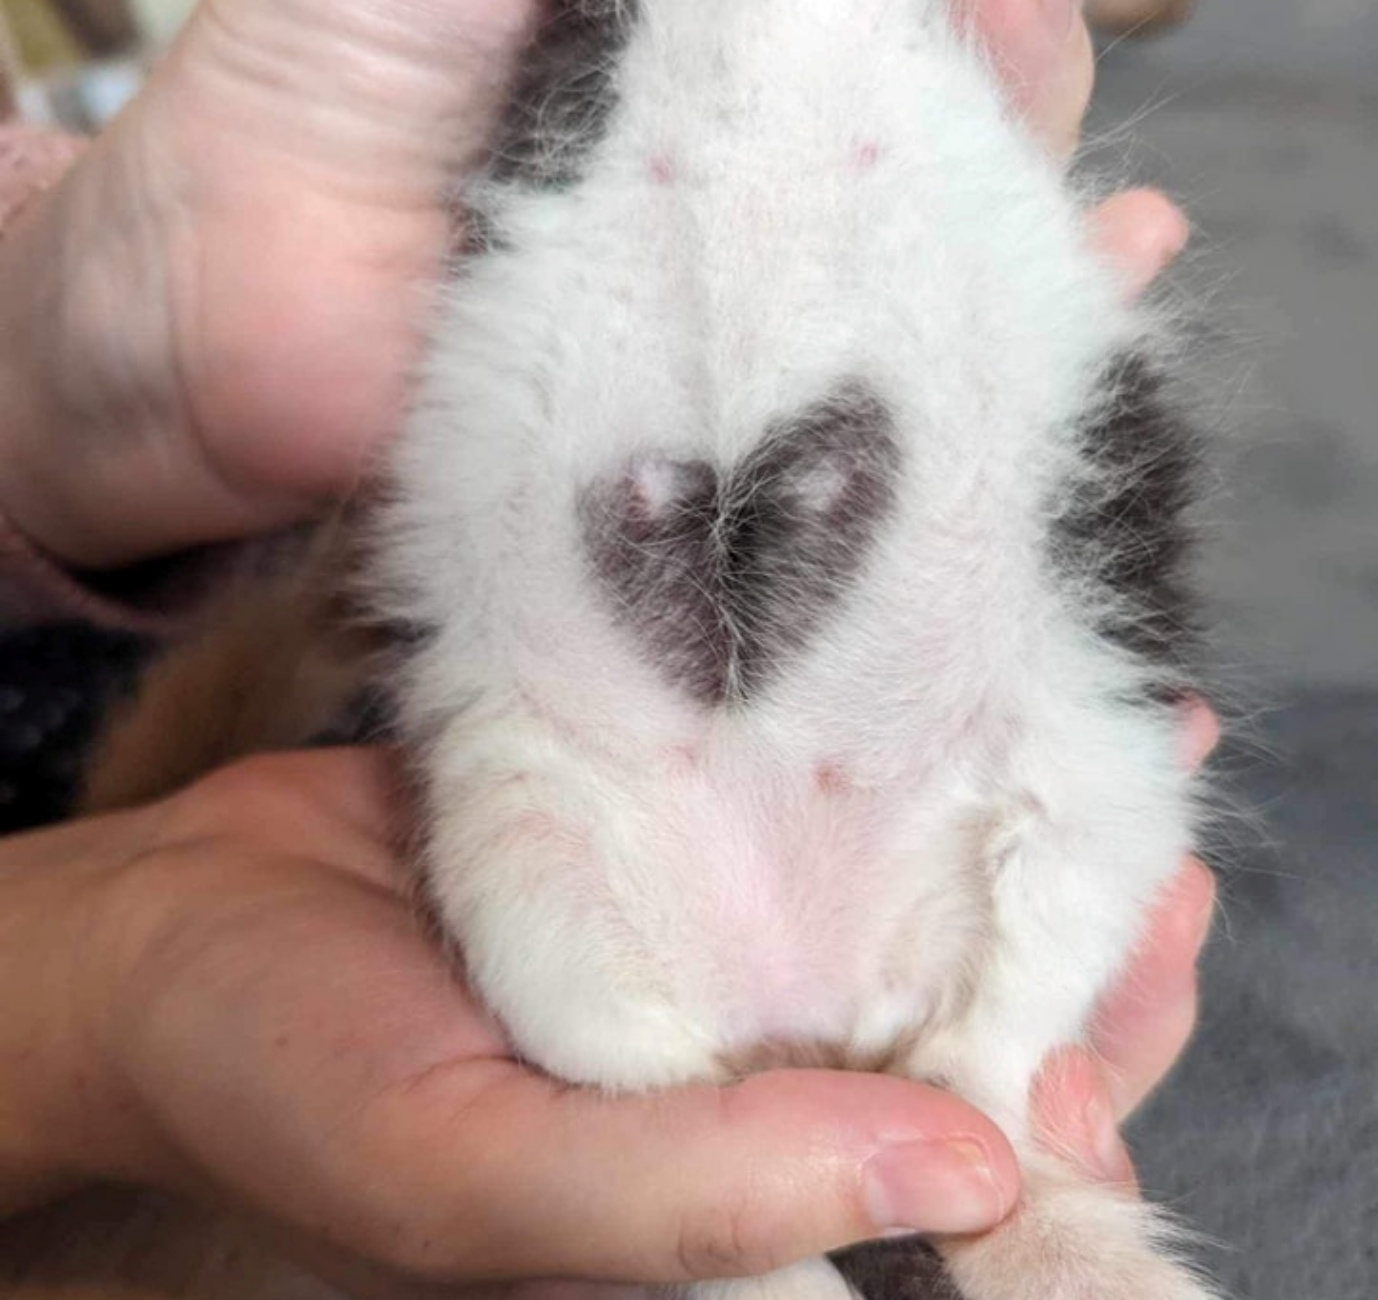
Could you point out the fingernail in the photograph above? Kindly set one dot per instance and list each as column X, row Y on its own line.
column 934, row 1187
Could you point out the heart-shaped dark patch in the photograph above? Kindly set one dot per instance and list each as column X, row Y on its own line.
column 722, row 574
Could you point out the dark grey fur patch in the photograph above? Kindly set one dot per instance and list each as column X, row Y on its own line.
column 1125, row 527
column 904, row 1269
column 476, row 235
column 722, row 575
column 564, row 94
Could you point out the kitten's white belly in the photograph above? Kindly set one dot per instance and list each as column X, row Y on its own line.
column 682, row 908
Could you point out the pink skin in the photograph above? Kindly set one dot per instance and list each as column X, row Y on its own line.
column 261, row 222
column 229, row 280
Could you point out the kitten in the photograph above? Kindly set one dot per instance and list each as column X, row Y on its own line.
column 788, row 542
column 789, row 534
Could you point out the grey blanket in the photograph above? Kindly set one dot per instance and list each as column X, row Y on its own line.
column 1267, row 1139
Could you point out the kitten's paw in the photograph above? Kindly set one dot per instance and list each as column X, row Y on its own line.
column 1071, row 1241
column 1047, row 1277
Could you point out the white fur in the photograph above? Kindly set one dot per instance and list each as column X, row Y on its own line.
column 941, row 823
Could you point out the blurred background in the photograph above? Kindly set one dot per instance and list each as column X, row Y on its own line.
column 1261, row 117
column 75, row 62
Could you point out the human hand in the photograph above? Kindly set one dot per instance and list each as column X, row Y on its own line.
column 211, row 323
column 228, row 994
column 240, row 263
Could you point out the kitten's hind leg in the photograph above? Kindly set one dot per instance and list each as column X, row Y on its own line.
column 1073, row 1240
column 1079, row 864
column 1069, row 1237
column 1067, row 1240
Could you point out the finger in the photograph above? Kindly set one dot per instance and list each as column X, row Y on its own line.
column 362, row 1280
column 1043, row 51
column 1075, row 1117
column 379, row 65
column 1142, row 1025
column 1200, row 731
column 1057, row 106
column 1140, row 232
column 697, row 1183
column 1026, row 38
column 390, row 1123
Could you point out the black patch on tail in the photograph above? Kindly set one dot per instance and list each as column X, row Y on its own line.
column 722, row 575
column 564, row 93
column 903, row 1269
column 1125, row 528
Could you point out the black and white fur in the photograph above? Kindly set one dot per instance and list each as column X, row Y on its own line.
column 789, row 528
